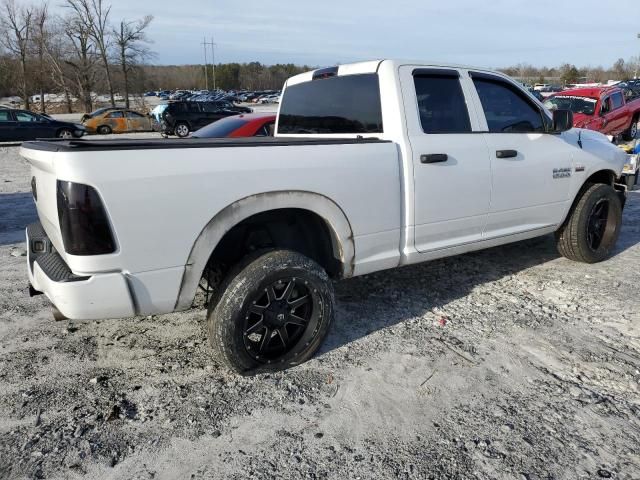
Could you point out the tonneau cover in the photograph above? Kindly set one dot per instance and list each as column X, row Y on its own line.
column 64, row 145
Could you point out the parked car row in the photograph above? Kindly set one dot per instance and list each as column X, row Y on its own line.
column 256, row 96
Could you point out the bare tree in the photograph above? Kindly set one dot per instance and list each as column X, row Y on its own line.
column 83, row 61
column 57, row 51
column 131, row 39
column 16, row 24
column 96, row 17
column 40, row 39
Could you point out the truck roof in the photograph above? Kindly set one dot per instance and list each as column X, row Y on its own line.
column 589, row 92
column 372, row 66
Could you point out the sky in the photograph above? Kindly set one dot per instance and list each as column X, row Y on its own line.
column 487, row 33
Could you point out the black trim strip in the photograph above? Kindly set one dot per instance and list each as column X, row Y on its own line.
column 55, row 268
column 62, row 145
column 436, row 72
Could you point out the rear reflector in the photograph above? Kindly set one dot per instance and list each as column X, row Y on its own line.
column 83, row 221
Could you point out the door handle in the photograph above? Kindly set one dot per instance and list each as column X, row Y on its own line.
column 506, row 153
column 434, row 158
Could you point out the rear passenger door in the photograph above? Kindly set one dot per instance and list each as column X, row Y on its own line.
column 137, row 122
column 451, row 170
column 530, row 169
column 8, row 131
column 617, row 118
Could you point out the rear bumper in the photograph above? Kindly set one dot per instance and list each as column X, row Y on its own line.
column 78, row 297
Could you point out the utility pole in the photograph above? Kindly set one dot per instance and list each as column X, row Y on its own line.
column 206, row 73
column 213, row 61
column 638, row 62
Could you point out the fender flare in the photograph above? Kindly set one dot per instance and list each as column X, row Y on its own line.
column 336, row 221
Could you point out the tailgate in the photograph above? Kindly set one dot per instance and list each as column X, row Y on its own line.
column 43, row 184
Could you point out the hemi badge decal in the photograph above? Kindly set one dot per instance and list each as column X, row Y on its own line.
column 579, row 168
column 561, row 172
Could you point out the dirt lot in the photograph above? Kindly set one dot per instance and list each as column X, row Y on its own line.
column 512, row 363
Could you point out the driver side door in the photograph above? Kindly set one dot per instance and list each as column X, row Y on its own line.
column 530, row 168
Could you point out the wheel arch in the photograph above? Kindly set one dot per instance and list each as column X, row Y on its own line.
column 334, row 219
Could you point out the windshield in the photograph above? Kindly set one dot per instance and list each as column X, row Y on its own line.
column 584, row 105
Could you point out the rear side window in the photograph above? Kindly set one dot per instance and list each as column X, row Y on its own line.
column 441, row 104
column 616, row 100
column 506, row 109
column 341, row 104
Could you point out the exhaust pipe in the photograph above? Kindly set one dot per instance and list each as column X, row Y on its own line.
column 57, row 314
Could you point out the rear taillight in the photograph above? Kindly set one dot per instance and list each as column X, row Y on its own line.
column 83, row 221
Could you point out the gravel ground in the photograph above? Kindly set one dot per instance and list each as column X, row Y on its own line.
column 511, row 363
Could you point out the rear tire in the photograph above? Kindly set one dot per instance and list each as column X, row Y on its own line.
column 592, row 228
column 632, row 133
column 273, row 311
column 104, row 130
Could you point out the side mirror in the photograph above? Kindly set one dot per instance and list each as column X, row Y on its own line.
column 562, row 121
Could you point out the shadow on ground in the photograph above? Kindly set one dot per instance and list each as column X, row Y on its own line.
column 17, row 210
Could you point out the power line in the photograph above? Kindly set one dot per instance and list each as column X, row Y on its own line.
column 213, row 60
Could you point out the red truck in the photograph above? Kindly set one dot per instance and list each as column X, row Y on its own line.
column 603, row 109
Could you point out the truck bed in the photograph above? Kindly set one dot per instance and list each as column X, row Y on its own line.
column 160, row 195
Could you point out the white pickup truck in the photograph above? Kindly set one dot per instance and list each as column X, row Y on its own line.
column 374, row 165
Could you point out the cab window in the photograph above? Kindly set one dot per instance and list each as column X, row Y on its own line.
column 606, row 106
column 441, row 103
column 4, row 116
column 344, row 104
column 506, row 109
column 616, row 100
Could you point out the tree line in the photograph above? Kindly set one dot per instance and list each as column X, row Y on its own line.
column 568, row 73
column 76, row 53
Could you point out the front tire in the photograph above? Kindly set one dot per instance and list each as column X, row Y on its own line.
column 104, row 130
column 273, row 311
column 182, row 129
column 593, row 226
column 65, row 133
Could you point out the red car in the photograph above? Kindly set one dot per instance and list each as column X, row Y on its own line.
column 603, row 109
column 245, row 125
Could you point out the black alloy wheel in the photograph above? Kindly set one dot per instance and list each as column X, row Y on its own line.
column 270, row 312
column 597, row 223
column 278, row 319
